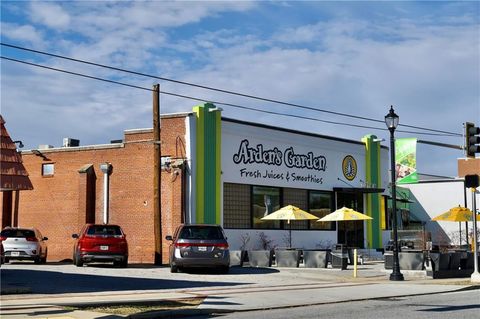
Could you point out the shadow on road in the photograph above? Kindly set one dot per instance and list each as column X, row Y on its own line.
column 41, row 281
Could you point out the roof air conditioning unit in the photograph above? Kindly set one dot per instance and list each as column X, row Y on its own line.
column 70, row 142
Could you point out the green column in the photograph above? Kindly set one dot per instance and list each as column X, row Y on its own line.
column 373, row 205
column 208, row 164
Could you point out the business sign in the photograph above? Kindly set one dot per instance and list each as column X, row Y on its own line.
column 259, row 156
column 349, row 167
column 274, row 158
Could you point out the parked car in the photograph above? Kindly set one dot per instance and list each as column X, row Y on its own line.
column 100, row 243
column 199, row 246
column 1, row 254
column 24, row 244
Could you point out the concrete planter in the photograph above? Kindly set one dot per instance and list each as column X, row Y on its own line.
column 260, row 258
column 315, row 258
column 287, row 258
column 411, row 260
column 468, row 261
column 455, row 261
column 388, row 258
column 237, row 257
column 440, row 261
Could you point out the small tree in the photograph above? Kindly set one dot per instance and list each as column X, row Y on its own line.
column 324, row 244
column 244, row 239
column 265, row 241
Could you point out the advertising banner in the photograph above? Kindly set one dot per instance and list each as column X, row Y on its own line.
column 406, row 160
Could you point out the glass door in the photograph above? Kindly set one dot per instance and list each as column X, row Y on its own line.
column 351, row 233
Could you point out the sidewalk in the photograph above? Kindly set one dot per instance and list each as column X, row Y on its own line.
column 289, row 287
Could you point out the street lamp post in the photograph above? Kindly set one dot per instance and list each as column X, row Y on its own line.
column 391, row 119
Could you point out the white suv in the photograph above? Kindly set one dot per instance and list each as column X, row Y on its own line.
column 24, row 244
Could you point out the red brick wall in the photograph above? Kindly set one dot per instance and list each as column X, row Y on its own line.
column 58, row 204
column 468, row 166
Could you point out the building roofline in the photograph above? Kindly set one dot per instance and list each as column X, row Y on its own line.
column 186, row 114
column 296, row 132
column 75, row 148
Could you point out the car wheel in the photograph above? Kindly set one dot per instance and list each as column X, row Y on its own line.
column 78, row 261
column 122, row 263
column 37, row 260
column 173, row 268
column 43, row 260
column 224, row 269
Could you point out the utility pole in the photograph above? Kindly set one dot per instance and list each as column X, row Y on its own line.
column 157, row 222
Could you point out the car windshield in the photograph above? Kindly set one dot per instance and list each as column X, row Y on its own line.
column 104, row 230
column 18, row 233
column 201, row 232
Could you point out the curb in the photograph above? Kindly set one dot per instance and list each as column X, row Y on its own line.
column 15, row 290
column 205, row 311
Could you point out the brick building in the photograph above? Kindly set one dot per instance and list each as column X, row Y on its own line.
column 68, row 189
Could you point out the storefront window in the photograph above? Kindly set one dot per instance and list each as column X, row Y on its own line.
column 265, row 200
column 236, row 206
column 320, row 204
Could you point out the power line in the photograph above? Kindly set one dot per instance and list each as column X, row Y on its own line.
column 74, row 73
column 221, row 90
column 205, row 100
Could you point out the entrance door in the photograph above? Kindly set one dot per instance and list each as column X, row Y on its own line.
column 351, row 232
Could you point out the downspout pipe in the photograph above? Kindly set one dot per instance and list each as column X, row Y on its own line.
column 106, row 169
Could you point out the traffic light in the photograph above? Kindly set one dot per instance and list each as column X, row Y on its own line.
column 472, row 139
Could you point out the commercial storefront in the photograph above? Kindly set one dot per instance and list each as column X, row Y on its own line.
column 214, row 170
column 250, row 170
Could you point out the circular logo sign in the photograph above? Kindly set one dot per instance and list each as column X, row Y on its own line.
column 349, row 167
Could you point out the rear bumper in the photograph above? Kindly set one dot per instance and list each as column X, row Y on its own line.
column 201, row 262
column 22, row 255
column 88, row 257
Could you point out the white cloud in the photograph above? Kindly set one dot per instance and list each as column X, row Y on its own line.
column 428, row 71
column 26, row 33
column 49, row 14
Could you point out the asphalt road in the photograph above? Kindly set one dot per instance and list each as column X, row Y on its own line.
column 458, row 305
column 287, row 289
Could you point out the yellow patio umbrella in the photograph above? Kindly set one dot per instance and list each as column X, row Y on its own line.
column 455, row 214
column 344, row 214
column 289, row 213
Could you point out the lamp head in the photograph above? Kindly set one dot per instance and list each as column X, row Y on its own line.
column 391, row 119
column 106, row 168
column 215, row 109
column 20, row 144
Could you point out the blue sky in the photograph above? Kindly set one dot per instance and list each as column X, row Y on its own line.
column 351, row 57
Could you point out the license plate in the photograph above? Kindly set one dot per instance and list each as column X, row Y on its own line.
column 202, row 248
column 103, row 247
column 15, row 253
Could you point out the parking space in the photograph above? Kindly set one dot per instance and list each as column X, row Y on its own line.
column 62, row 278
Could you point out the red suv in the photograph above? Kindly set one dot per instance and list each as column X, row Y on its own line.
column 100, row 243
